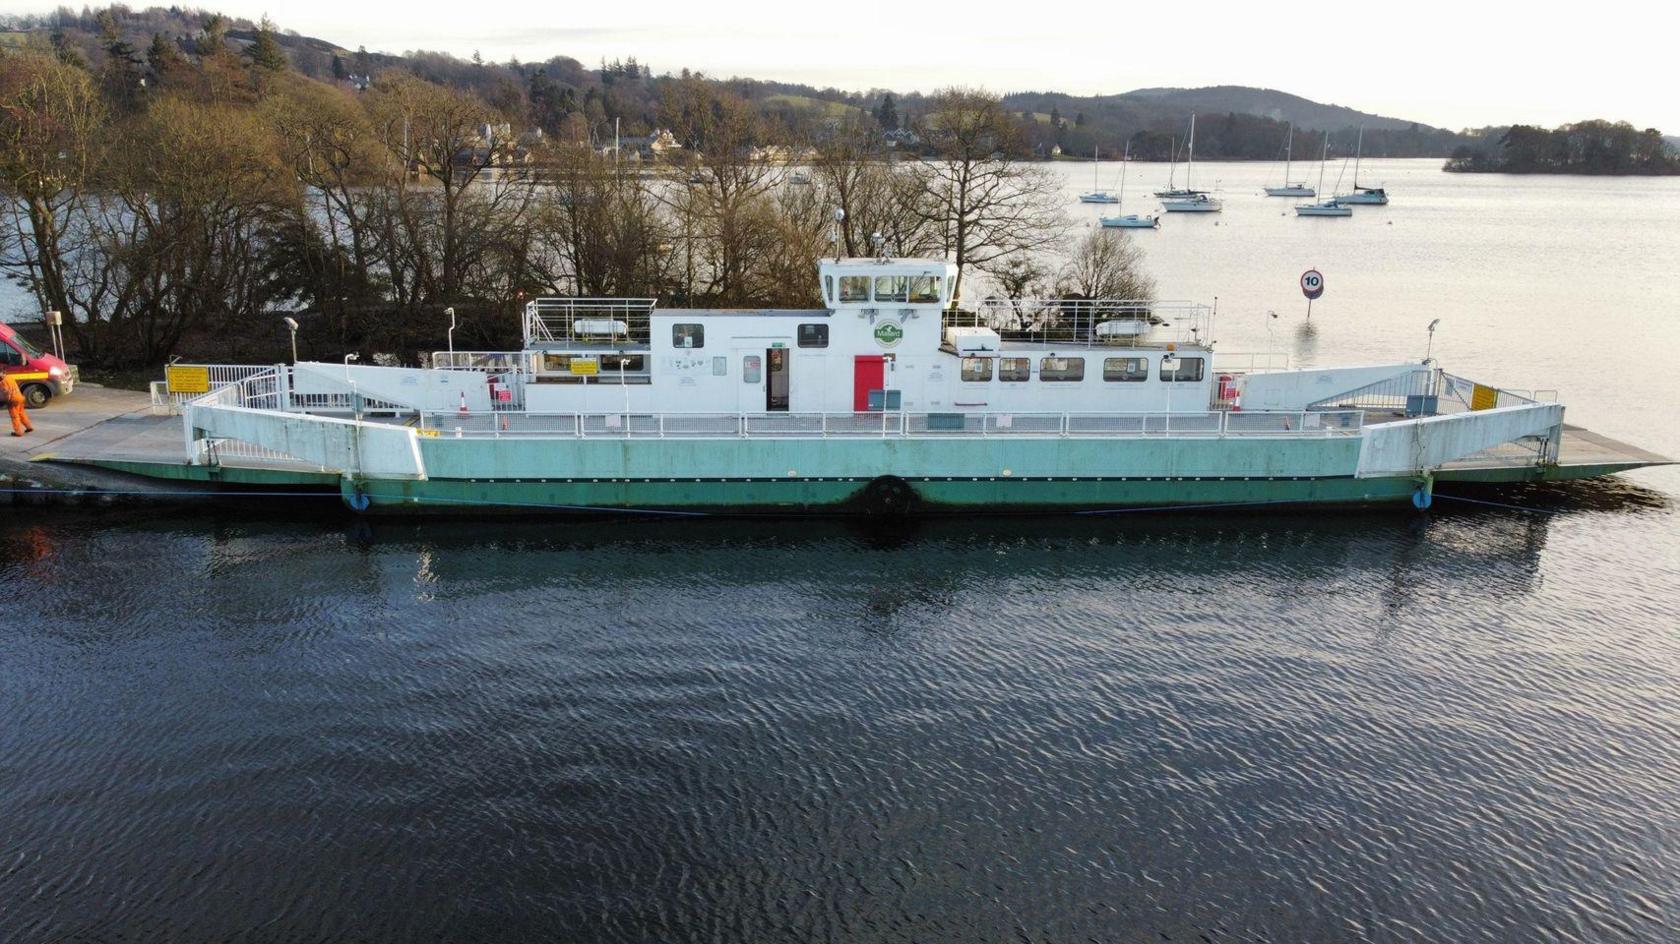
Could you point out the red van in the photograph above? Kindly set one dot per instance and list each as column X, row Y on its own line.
column 41, row 375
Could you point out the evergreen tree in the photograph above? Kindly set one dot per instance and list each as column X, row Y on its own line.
column 265, row 52
column 887, row 112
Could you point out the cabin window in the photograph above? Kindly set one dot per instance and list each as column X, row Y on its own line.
column 629, row 363
column 688, row 335
column 828, row 288
column 924, row 289
column 854, row 288
column 1061, row 368
column 1126, row 369
column 750, row 366
column 976, row 369
column 892, row 288
column 813, row 335
column 1182, row 369
column 1014, row 368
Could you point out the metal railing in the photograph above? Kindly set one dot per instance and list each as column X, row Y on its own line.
column 888, row 424
column 1096, row 322
column 1427, row 391
column 166, row 402
column 495, row 362
column 1244, row 362
column 572, row 321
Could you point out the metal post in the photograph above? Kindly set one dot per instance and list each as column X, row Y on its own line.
column 451, row 313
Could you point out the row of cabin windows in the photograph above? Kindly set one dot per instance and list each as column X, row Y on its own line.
column 1055, row 369
column 908, row 289
column 692, row 336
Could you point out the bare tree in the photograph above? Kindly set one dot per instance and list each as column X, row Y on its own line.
column 717, row 187
column 990, row 205
column 876, row 194
column 50, row 149
column 1106, row 264
column 601, row 226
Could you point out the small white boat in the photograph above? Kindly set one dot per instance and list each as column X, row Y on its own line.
column 1290, row 189
column 1196, row 203
column 1128, row 220
column 1097, row 194
column 799, row 179
column 1190, row 200
column 1362, row 196
column 1331, row 207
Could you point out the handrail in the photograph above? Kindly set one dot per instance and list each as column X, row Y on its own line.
column 889, row 424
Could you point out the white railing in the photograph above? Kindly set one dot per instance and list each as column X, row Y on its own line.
column 588, row 320
column 1078, row 321
column 894, row 424
column 495, row 362
column 1248, row 362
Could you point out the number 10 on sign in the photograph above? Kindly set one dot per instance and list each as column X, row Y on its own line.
column 1312, row 286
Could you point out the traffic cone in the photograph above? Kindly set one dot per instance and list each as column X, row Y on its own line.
column 463, row 409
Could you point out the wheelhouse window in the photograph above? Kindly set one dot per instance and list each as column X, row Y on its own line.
column 1061, row 369
column 1126, row 369
column 751, row 365
column 828, row 288
column 924, row 289
column 813, row 335
column 892, row 288
column 854, row 288
column 688, row 335
column 1014, row 369
column 976, row 369
column 1181, row 369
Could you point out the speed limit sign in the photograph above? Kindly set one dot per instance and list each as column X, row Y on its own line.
column 1312, row 284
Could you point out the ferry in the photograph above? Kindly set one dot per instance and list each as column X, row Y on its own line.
column 884, row 401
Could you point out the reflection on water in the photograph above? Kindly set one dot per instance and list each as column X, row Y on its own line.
column 1240, row 726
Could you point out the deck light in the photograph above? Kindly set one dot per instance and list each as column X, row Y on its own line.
column 292, row 326
column 451, row 313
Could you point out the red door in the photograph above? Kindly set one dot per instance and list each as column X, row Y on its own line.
column 869, row 372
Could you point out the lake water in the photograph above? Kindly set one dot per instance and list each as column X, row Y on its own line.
column 278, row 724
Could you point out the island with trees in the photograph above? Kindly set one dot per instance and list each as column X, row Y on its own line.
column 1586, row 147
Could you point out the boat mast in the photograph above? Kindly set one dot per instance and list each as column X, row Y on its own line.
column 1288, row 152
column 1325, row 156
column 1190, row 160
column 1358, row 149
column 1120, row 207
column 1096, row 156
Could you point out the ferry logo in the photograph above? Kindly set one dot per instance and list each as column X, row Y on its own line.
column 889, row 333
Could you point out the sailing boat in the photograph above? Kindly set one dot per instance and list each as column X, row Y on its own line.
column 1130, row 220
column 1330, row 207
column 1290, row 189
column 1365, row 196
column 1172, row 170
column 1097, row 195
column 1192, row 200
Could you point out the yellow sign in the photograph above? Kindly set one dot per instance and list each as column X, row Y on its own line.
column 183, row 379
column 1483, row 398
column 585, row 366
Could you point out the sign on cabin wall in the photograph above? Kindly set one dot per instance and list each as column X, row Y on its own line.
column 187, row 379
column 889, row 333
column 585, row 367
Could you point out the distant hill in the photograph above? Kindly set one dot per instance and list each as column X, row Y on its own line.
column 1266, row 103
column 561, row 94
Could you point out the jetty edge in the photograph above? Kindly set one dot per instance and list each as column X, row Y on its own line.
column 883, row 403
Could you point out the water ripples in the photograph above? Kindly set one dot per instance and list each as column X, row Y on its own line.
column 1243, row 728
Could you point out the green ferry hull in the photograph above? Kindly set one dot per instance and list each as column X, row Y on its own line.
column 886, row 476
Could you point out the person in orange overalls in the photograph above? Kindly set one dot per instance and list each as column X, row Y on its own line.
column 13, row 395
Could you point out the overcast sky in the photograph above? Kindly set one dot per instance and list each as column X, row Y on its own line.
column 1451, row 64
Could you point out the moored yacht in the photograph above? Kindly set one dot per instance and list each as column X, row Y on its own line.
column 1097, row 194
column 1291, row 189
column 1128, row 220
column 1330, row 207
column 1362, row 196
column 1190, row 200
